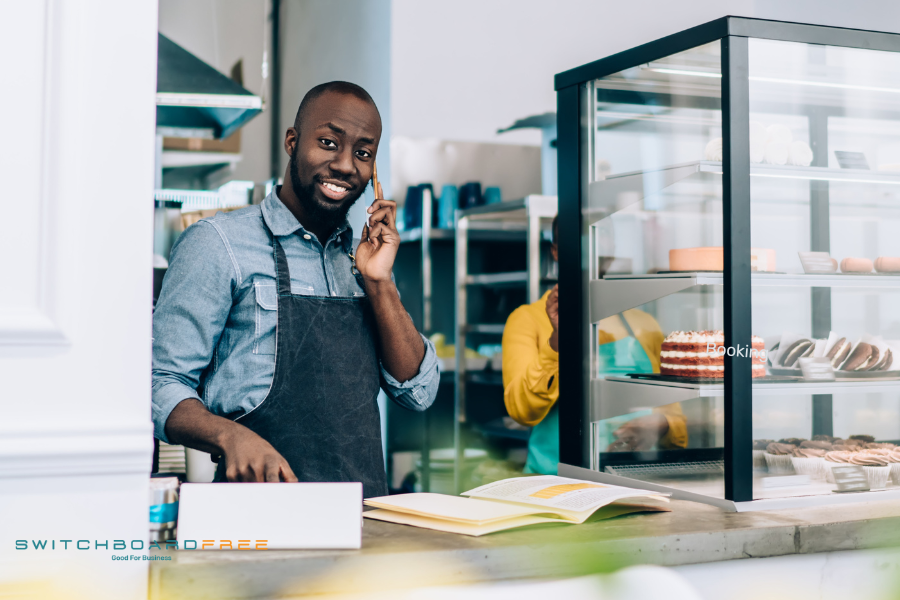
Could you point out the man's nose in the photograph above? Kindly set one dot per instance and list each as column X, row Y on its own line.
column 343, row 162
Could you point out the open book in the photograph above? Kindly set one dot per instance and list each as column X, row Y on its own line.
column 514, row 503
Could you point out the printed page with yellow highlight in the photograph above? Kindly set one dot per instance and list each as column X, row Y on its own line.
column 571, row 499
column 512, row 503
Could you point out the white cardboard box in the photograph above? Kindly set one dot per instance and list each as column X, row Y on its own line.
column 270, row 516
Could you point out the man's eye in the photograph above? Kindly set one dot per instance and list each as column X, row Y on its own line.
column 363, row 154
column 328, row 142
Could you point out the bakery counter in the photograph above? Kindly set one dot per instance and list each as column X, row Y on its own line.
column 397, row 557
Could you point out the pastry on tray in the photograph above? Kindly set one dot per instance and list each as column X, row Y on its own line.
column 856, row 265
column 702, row 354
column 712, row 258
column 873, row 355
column 887, row 264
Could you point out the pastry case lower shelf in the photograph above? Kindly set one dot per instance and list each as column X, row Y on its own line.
column 616, row 396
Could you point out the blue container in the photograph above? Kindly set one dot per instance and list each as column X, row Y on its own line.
column 412, row 208
column 447, row 205
column 492, row 195
column 470, row 195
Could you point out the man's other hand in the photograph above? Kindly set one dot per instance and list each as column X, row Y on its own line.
column 379, row 242
column 248, row 457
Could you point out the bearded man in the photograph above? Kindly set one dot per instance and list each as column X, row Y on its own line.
column 272, row 336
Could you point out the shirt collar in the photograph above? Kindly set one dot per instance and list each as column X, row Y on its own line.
column 282, row 222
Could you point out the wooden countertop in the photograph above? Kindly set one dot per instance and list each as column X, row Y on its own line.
column 402, row 557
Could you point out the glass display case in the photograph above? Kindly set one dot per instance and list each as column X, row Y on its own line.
column 730, row 263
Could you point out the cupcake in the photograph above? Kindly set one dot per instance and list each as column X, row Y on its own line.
column 792, row 441
column 876, row 467
column 835, row 458
column 817, row 444
column 894, row 462
column 778, row 458
column 759, row 453
column 865, row 439
column 880, row 446
column 808, row 461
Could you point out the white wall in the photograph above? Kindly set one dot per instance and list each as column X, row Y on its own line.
column 75, row 249
column 221, row 32
column 463, row 69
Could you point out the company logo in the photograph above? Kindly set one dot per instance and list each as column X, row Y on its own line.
column 140, row 545
column 739, row 351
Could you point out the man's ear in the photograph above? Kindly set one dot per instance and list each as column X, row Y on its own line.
column 291, row 139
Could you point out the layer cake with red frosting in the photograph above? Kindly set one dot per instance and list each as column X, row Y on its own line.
column 702, row 354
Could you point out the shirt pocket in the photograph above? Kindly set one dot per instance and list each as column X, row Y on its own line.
column 266, row 318
column 267, row 314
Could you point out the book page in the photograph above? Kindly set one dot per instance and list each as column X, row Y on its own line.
column 454, row 508
column 460, row 527
column 572, row 499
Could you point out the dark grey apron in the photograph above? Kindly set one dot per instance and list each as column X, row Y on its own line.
column 321, row 413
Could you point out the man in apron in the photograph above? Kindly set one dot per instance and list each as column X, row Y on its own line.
column 629, row 343
column 274, row 329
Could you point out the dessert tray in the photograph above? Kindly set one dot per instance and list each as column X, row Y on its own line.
column 676, row 379
column 839, row 375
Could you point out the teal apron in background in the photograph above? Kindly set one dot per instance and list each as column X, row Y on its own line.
column 615, row 358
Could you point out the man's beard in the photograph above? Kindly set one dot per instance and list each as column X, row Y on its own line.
column 326, row 216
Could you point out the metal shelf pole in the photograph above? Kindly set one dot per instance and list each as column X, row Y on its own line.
column 426, row 327
column 738, row 289
column 459, row 393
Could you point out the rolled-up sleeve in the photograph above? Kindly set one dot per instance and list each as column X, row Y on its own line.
column 189, row 318
column 419, row 392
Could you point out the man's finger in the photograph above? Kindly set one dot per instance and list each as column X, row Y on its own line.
column 382, row 215
column 381, row 203
column 258, row 471
column 385, row 214
column 273, row 471
column 287, row 474
column 376, row 230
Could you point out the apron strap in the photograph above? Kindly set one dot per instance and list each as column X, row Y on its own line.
column 282, row 273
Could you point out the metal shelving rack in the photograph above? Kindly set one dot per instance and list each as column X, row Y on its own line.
column 527, row 214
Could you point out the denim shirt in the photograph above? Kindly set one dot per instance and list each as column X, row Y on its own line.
column 214, row 322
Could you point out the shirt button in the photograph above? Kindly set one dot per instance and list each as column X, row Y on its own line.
column 306, row 236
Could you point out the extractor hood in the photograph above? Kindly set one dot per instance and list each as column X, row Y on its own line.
column 195, row 100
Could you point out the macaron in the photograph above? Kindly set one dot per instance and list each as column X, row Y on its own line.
column 793, row 352
column 858, row 356
column 839, row 352
column 885, row 363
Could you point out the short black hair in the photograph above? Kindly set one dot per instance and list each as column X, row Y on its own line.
column 556, row 229
column 340, row 87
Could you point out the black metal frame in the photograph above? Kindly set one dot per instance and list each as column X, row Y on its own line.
column 733, row 34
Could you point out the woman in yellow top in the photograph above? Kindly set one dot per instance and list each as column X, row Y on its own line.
column 531, row 377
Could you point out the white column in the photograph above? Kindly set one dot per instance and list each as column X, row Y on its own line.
column 76, row 166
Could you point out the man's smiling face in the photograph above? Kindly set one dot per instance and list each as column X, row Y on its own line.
column 333, row 156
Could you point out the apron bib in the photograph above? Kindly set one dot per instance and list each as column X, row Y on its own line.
column 321, row 412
